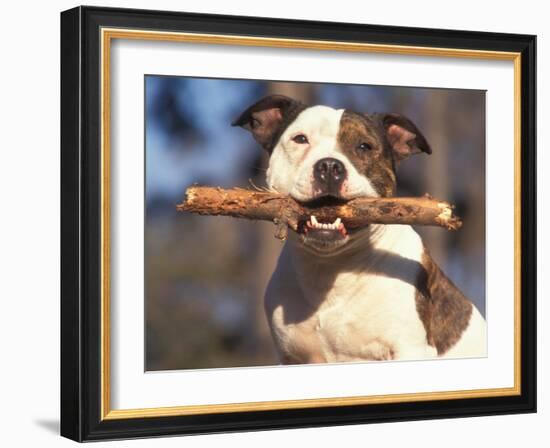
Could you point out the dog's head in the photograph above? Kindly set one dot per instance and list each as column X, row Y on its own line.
column 321, row 155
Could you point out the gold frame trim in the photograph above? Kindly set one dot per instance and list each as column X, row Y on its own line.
column 107, row 35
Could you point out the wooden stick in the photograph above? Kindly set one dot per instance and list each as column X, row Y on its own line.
column 287, row 212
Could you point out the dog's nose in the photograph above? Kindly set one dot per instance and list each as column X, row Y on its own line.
column 329, row 174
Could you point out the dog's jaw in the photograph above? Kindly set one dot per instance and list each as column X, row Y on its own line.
column 324, row 241
column 355, row 240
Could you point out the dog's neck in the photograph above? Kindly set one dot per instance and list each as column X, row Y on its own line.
column 321, row 272
column 373, row 237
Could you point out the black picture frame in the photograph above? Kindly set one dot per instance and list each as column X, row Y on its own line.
column 81, row 226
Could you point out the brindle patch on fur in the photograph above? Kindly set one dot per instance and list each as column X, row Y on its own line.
column 375, row 163
column 443, row 309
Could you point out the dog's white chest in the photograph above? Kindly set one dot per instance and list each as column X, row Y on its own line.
column 356, row 315
column 364, row 317
column 343, row 331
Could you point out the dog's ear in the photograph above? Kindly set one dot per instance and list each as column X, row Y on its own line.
column 403, row 136
column 268, row 118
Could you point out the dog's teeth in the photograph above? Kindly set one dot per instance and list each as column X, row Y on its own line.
column 315, row 224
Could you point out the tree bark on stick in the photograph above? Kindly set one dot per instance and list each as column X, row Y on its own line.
column 287, row 212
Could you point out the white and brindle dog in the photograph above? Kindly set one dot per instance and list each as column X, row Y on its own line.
column 342, row 295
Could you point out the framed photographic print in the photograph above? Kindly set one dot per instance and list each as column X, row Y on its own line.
column 396, row 279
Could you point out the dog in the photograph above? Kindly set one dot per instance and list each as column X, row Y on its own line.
column 342, row 295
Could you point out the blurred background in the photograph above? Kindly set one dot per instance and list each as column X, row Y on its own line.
column 205, row 276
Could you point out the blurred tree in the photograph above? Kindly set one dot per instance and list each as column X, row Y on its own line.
column 165, row 108
column 436, row 120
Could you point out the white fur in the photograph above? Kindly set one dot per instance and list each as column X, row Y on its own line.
column 290, row 168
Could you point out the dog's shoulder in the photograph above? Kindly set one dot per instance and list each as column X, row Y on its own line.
column 445, row 311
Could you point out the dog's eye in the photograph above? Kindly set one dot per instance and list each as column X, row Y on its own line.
column 364, row 146
column 301, row 139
